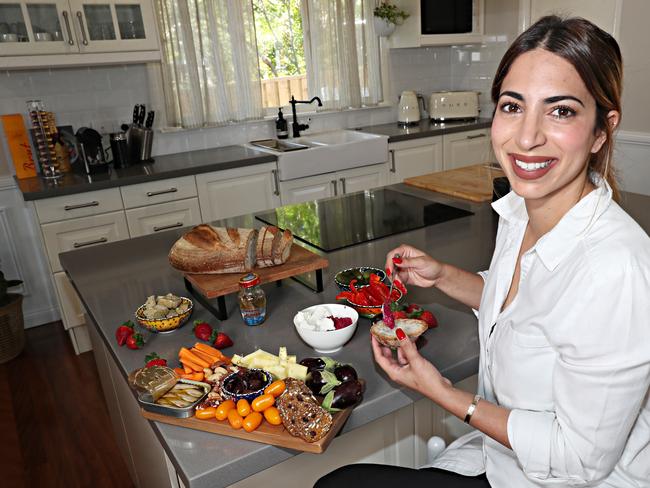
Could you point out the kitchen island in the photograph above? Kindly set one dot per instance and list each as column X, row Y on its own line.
column 114, row 279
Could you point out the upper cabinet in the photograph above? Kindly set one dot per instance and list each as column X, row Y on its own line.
column 605, row 14
column 75, row 29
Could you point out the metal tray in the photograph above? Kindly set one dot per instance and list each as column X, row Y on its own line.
column 180, row 413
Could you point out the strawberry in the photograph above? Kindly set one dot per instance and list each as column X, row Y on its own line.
column 123, row 332
column 400, row 314
column 413, row 307
column 222, row 341
column 135, row 341
column 429, row 318
column 154, row 360
column 203, row 331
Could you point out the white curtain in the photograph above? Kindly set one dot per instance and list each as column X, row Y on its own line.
column 210, row 70
column 342, row 52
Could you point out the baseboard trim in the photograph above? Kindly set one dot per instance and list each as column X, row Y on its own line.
column 35, row 318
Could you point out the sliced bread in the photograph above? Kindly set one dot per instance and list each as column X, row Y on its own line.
column 413, row 328
column 273, row 246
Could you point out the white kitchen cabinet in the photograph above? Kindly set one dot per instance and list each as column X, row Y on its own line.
column 467, row 148
column 38, row 33
column 74, row 314
column 77, row 233
column 333, row 184
column 414, row 157
column 159, row 191
column 606, row 14
column 164, row 216
column 78, row 205
column 238, row 191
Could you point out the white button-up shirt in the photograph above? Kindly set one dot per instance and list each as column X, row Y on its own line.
column 570, row 355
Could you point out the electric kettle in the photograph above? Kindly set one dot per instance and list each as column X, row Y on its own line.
column 408, row 109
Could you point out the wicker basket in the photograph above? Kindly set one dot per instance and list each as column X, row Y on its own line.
column 12, row 328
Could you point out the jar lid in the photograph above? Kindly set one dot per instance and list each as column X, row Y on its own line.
column 251, row 279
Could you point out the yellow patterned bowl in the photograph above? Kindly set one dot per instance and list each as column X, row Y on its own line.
column 167, row 324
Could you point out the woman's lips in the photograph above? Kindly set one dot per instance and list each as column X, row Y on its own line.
column 531, row 167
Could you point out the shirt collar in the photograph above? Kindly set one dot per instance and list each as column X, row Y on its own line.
column 553, row 246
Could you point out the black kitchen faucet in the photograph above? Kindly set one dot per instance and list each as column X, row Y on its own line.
column 297, row 127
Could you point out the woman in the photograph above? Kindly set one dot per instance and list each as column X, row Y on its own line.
column 563, row 311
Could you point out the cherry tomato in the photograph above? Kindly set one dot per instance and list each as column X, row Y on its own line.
column 276, row 388
column 205, row 413
column 272, row 416
column 235, row 419
column 263, row 402
column 243, row 407
column 223, row 409
column 252, row 421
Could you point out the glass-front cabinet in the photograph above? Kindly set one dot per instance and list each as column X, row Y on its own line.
column 76, row 26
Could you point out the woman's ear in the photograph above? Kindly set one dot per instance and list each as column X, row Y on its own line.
column 613, row 118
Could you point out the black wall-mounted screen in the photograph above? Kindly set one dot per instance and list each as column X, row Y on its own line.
column 446, row 16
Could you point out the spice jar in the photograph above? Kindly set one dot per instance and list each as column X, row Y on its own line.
column 252, row 300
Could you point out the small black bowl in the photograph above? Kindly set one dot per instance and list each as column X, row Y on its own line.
column 251, row 395
column 343, row 286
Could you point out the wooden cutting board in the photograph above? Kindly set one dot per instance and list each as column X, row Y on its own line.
column 472, row 183
column 266, row 433
column 300, row 261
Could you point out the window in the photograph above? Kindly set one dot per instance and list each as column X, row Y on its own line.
column 280, row 48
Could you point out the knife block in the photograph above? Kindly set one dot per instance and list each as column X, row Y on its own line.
column 140, row 141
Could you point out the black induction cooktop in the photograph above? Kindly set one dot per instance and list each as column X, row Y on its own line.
column 343, row 221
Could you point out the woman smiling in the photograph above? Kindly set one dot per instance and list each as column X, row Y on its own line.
column 564, row 369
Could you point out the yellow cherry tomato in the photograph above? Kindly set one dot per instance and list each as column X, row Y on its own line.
column 205, row 413
column 243, row 407
column 223, row 409
column 272, row 416
column 276, row 388
column 252, row 421
column 263, row 402
column 235, row 419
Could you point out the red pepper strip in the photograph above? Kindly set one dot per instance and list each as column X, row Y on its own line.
column 372, row 299
column 345, row 295
column 394, row 296
column 376, row 290
column 352, row 285
column 374, row 278
column 360, row 299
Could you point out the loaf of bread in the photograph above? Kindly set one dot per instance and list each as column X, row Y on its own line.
column 273, row 246
column 214, row 250
column 301, row 414
column 413, row 328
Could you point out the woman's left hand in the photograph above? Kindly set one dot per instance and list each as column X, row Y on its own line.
column 410, row 369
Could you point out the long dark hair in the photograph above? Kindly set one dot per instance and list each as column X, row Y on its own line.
column 596, row 57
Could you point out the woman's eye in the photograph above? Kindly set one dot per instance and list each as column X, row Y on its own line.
column 510, row 108
column 563, row 112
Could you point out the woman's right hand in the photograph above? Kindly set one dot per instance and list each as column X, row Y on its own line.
column 416, row 267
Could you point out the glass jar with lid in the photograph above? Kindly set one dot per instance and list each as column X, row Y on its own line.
column 252, row 300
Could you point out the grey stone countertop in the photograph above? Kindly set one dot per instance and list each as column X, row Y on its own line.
column 426, row 128
column 114, row 279
column 166, row 166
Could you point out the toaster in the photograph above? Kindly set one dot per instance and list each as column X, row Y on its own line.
column 451, row 105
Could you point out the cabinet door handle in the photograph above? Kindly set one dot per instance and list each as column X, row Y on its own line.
column 166, row 227
column 161, row 192
column 476, row 136
column 343, row 190
column 276, row 182
column 67, row 27
column 101, row 240
column 392, row 160
column 81, row 205
column 336, row 189
column 81, row 25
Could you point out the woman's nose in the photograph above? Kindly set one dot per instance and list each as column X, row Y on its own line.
column 531, row 134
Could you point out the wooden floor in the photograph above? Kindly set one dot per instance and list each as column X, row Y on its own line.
column 54, row 425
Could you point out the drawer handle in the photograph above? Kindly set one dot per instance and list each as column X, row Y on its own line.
column 165, row 227
column 476, row 136
column 67, row 27
column 161, row 192
column 276, row 182
column 81, row 205
column 392, row 160
column 83, row 31
column 336, row 190
column 343, row 189
column 101, row 240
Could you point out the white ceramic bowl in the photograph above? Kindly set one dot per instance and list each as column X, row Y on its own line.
column 329, row 341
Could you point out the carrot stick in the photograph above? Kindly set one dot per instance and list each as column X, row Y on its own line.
column 191, row 365
column 179, row 371
column 208, row 350
column 185, row 353
column 204, row 356
column 187, row 369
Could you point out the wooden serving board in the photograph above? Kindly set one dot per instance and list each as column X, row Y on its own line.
column 472, row 183
column 266, row 433
column 300, row 261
